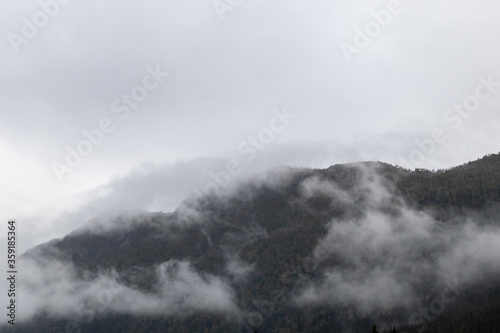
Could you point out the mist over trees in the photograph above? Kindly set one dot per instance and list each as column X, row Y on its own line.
column 352, row 248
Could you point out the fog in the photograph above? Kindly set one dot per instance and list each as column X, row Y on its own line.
column 387, row 254
column 393, row 256
column 54, row 288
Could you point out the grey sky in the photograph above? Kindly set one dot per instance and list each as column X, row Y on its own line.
column 225, row 79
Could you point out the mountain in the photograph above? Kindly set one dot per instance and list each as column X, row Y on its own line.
column 290, row 250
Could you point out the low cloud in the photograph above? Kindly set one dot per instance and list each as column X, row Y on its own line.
column 57, row 289
column 391, row 256
column 381, row 254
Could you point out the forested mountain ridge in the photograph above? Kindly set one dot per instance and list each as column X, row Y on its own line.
column 291, row 250
column 472, row 185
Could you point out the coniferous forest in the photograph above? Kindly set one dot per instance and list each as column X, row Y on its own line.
column 362, row 247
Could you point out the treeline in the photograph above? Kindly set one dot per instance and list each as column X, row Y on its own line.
column 291, row 228
column 472, row 185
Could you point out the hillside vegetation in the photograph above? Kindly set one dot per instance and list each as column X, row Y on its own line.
column 281, row 240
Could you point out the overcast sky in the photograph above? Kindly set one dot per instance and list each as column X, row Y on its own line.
column 181, row 89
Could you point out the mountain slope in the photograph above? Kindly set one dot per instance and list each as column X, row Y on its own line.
column 292, row 250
